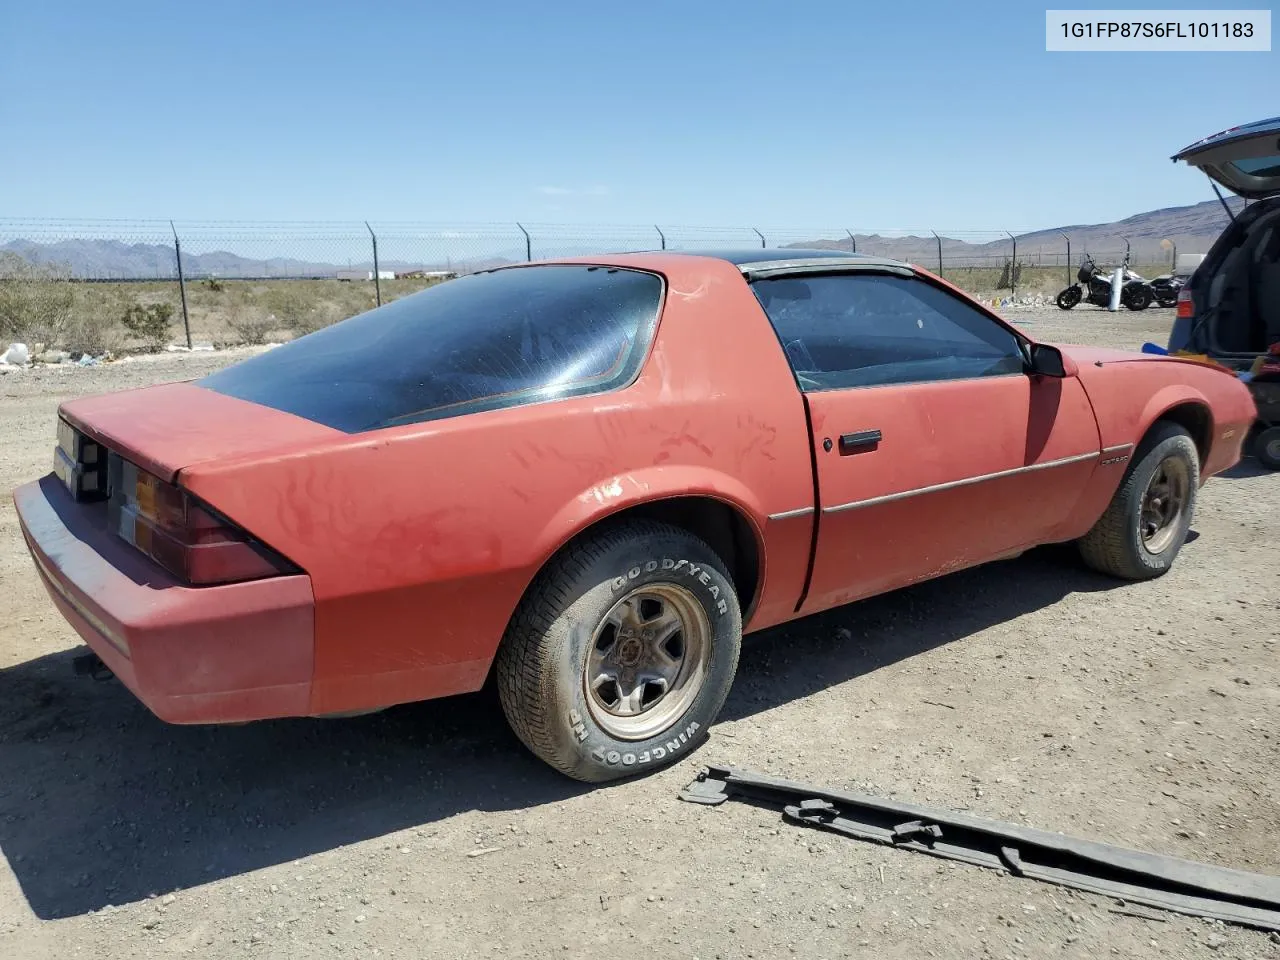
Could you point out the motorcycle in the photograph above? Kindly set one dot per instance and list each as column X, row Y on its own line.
column 1167, row 286
column 1136, row 292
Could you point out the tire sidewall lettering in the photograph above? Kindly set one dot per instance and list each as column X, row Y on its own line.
column 669, row 746
column 685, row 569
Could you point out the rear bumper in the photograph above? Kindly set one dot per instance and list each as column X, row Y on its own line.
column 221, row 654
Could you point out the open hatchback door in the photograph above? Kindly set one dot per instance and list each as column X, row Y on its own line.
column 1244, row 159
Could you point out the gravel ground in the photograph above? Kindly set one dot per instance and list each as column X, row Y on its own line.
column 1029, row 690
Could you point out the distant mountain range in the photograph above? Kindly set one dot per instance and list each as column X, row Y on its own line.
column 1192, row 228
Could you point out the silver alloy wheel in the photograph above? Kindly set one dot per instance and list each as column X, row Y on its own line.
column 648, row 661
column 1163, row 504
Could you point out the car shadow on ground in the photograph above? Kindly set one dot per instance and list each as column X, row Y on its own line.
column 1245, row 469
column 101, row 803
column 800, row 658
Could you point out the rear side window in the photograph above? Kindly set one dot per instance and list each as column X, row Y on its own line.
column 483, row 342
column 865, row 329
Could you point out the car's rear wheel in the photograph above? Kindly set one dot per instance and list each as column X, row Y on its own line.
column 1146, row 523
column 622, row 652
column 1266, row 447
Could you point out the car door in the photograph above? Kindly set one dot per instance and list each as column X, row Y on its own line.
column 933, row 447
column 1244, row 159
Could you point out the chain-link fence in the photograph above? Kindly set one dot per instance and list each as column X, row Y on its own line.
column 224, row 280
column 102, row 250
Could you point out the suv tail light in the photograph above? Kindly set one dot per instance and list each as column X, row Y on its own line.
column 1186, row 305
column 183, row 535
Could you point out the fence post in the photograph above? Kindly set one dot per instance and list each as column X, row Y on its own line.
column 1013, row 266
column 661, row 236
column 528, row 244
column 1068, row 239
column 761, row 236
column 853, row 241
column 939, row 239
column 377, row 280
column 182, row 283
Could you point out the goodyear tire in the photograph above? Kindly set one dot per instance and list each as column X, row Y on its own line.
column 1146, row 523
column 622, row 652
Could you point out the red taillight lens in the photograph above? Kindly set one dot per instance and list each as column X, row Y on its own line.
column 181, row 534
column 1186, row 306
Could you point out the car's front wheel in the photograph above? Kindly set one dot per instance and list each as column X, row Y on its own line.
column 622, row 652
column 1266, row 447
column 1146, row 523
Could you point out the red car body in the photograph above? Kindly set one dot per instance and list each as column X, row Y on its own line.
column 410, row 546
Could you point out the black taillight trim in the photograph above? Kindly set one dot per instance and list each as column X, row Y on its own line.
column 81, row 463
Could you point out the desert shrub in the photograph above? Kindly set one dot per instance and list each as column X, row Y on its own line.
column 35, row 300
column 94, row 335
column 213, row 284
column 250, row 326
column 1010, row 275
column 149, row 324
column 300, row 313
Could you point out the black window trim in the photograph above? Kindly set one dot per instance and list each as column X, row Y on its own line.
column 836, row 267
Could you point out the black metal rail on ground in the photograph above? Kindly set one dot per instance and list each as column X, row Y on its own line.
column 1169, row 883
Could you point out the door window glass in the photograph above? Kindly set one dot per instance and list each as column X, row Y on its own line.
column 864, row 329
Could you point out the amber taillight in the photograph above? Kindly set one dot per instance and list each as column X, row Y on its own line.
column 1186, row 305
column 180, row 533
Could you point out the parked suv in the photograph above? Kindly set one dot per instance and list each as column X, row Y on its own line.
column 1230, row 308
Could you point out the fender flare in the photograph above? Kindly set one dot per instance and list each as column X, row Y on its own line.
column 650, row 484
column 1166, row 399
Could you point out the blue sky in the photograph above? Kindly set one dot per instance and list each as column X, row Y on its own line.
column 871, row 115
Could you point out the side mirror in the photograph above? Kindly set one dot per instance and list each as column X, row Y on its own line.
column 1048, row 361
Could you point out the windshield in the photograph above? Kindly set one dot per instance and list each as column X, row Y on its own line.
column 481, row 342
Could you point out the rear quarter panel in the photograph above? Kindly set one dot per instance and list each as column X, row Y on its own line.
column 420, row 540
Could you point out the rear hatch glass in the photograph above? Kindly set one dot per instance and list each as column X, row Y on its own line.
column 500, row 339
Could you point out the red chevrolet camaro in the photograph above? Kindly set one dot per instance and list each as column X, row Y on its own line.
column 591, row 477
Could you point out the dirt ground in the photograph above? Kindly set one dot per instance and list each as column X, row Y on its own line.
column 1030, row 690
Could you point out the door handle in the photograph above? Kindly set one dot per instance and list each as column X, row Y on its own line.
column 859, row 442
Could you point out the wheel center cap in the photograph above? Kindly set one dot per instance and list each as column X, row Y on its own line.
column 630, row 651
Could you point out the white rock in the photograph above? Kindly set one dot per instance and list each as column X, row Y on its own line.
column 17, row 354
